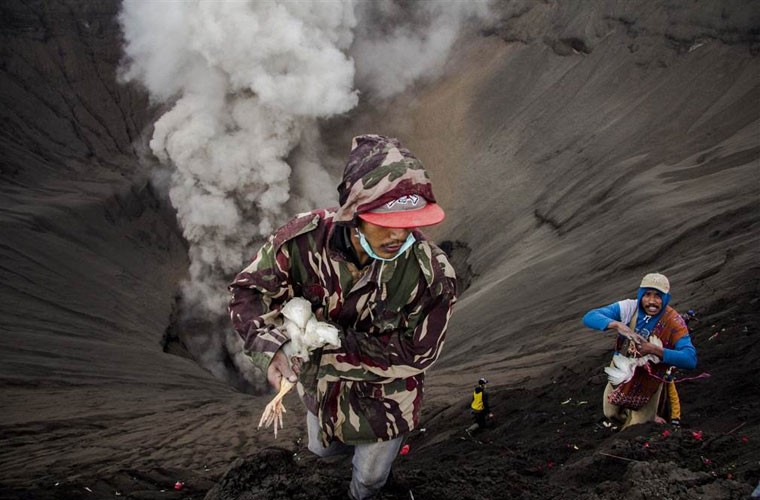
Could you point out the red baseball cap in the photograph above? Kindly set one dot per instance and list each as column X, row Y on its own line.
column 408, row 211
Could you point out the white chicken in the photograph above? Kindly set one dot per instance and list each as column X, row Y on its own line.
column 623, row 367
column 306, row 334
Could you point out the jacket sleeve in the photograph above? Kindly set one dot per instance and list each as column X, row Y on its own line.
column 402, row 353
column 683, row 355
column 600, row 318
column 258, row 293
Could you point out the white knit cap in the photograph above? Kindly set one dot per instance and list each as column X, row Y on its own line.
column 656, row 281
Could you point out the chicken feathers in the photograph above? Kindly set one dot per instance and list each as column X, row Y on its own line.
column 623, row 367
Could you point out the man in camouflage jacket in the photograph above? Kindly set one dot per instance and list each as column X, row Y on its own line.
column 367, row 269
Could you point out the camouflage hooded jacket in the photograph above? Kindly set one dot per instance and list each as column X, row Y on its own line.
column 392, row 315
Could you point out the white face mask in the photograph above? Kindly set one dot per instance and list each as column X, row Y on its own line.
column 367, row 248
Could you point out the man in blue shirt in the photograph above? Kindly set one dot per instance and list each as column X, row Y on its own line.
column 638, row 323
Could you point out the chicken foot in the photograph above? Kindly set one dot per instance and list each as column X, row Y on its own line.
column 273, row 412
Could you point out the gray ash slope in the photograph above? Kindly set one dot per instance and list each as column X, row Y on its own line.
column 575, row 147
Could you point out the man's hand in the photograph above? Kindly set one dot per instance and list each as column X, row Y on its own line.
column 621, row 328
column 280, row 368
column 649, row 348
column 625, row 331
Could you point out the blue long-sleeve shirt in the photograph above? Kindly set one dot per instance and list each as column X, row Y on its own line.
column 683, row 355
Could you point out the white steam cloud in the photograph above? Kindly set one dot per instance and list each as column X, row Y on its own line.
column 246, row 80
column 397, row 47
column 245, row 84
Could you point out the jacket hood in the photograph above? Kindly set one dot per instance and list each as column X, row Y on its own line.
column 645, row 324
column 379, row 170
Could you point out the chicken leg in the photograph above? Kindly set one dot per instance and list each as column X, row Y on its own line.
column 274, row 410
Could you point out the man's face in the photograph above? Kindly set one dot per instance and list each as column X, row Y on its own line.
column 385, row 241
column 651, row 302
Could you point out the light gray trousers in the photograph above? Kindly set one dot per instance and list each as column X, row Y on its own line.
column 371, row 463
